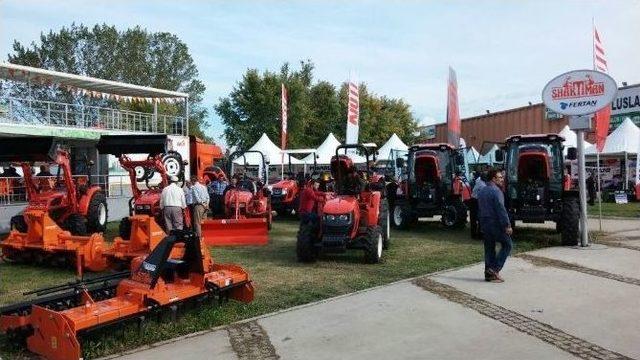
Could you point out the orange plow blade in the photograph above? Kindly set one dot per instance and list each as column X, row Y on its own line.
column 235, row 232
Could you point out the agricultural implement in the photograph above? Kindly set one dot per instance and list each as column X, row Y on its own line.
column 431, row 184
column 55, row 322
column 355, row 217
column 247, row 210
column 285, row 194
column 143, row 229
column 535, row 186
column 64, row 215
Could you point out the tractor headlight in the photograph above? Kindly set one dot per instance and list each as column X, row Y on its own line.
column 329, row 217
column 147, row 207
column 270, row 187
column 343, row 217
column 283, row 191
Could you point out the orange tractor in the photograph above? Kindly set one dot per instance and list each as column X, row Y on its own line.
column 55, row 322
column 285, row 194
column 61, row 212
column 355, row 217
column 247, row 209
column 144, row 228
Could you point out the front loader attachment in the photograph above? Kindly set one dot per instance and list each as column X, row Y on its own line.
column 46, row 242
column 235, row 232
column 132, row 144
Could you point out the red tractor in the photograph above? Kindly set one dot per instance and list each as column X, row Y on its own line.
column 285, row 194
column 432, row 183
column 144, row 228
column 62, row 209
column 354, row 217
column 247, row 209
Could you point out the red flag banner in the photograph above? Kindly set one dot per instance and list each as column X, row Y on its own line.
column 353, row 113
column 453, row 113
column 602, row 117
column 283, row 138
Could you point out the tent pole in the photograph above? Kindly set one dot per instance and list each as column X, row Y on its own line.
column 626, row 173
column 599, row 191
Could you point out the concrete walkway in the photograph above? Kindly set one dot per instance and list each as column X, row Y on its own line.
column 556, row 303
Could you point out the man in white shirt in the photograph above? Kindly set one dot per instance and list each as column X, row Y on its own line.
column 200, row 197
column 173, row 203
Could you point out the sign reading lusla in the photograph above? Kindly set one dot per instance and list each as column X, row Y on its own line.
column 579, row 92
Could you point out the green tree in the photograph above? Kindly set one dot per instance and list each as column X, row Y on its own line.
column 136, row 56
column 315, row 109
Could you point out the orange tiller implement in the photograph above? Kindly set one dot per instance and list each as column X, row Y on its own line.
column 54, row 323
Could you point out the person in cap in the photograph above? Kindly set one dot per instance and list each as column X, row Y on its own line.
column 173, row 204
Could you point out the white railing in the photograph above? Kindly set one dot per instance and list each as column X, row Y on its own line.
column 38, row 112
column 13, row 190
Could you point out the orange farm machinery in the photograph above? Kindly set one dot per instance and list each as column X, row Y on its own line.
column 432, row 183
column 143, row 229
column 247, row 208
column 354, row 217
column 54, row 324
column 65, row 215
column 285, row 194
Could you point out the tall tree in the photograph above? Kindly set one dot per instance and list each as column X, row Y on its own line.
column 315, row 109
column 133, row 55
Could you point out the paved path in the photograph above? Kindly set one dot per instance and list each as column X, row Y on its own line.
column 556, row 303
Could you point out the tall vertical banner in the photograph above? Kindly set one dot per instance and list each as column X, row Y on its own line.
column 453, row 113
column 602, row 117
column 285, row 100
column 353, row 113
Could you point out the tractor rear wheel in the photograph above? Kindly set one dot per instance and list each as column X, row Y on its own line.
column 124, row 229
column 383, row 222
column 97, row 213
column 570, row 219
column 402, row 216
column 76, row 224
column 306, row 251
column 373, row 245
column 18, row 223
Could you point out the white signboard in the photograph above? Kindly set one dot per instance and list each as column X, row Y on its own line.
column 579, row 92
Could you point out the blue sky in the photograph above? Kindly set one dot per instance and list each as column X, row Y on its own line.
column 503, row 51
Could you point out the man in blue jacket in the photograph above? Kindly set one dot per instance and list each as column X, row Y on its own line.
column 495, row 225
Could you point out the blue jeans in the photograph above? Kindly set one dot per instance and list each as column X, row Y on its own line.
column 494, row 233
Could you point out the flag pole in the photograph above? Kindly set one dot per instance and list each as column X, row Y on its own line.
column 593, row 59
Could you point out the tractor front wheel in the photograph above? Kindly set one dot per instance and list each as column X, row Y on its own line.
column 570, row 219
column 374, row 245
column 306, row 250
column 402, row 216
column 124, row 229
column 18, row 223
column 97, row 213
column 384, row 223
column 76, row 224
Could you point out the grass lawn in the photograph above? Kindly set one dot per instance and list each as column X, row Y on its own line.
column 631, row 209
column 280, row 281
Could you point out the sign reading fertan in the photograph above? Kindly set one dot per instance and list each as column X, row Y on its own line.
column 579, row 92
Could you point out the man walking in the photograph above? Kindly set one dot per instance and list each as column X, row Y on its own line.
column 172, row 203
column 479, row 184
column 591, row 189
column 495, row 225
column 200, row 197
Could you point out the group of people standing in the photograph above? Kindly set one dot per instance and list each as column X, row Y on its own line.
column 195, row 197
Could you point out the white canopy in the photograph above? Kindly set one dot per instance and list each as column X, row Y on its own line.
column 490, row 156
column 624, row 139
column 570, row 139
column 471, row 155
column 394, row 143
column 327, row 149
column 271, row 151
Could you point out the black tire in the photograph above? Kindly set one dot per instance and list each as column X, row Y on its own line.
column 173, row 164
column 18, row 223
column 76, row 224
column 374, row 245
column 454, row 215
column 124, row 229
column 402, row 216
column 383, row 222
column 306, row 251
column 98, row 213
column 570, row 219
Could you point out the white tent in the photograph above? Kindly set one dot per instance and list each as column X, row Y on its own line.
column 471, row 155
column 570, row 139
column 490, row 156
column 326, row 150
column 271, row 151
column 625, row 139
column 394, row 143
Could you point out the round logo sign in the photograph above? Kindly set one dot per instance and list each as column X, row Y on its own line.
column 579, row 92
